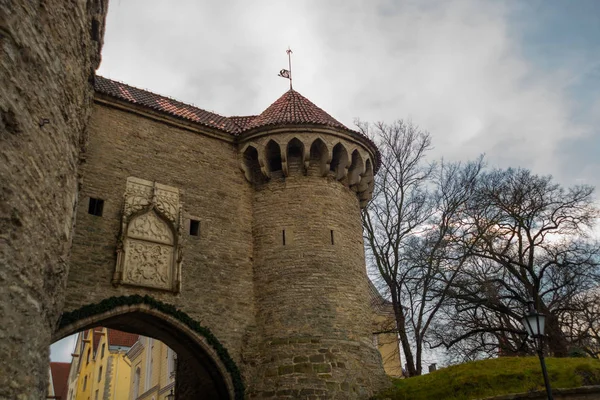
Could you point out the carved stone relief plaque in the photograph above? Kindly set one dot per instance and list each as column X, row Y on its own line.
column 149, row 247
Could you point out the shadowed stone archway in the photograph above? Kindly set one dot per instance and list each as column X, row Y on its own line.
column 204, row 368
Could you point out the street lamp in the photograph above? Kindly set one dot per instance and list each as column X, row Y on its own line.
column 171, row 396
column 534, row 323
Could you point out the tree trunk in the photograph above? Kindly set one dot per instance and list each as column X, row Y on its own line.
column 556, row 340
column 401, row 326
column 419, row 367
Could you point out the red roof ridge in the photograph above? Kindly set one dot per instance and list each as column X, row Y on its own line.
column 292, row 108
column 164, row 104
column 120, row 338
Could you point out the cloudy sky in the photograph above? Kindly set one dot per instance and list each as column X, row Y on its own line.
column 516, row 80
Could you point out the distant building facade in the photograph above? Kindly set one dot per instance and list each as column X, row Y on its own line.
column 153, row 366
column 100, row 369
column 385, row 334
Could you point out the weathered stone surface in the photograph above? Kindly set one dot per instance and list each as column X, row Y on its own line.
column 216, row 267
column 48, row 53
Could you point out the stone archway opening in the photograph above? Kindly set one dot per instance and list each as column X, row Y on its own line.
column 203, row 368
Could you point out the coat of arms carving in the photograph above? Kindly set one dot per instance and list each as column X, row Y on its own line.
column 149, row 246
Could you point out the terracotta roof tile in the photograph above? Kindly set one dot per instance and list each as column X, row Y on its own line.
column 293, row 108
column 378, row 302
column 60, row 377
column 243, row 121
column 164, row 104
column 119, row 338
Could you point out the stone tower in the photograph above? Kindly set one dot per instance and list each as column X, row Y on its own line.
column 311, row 175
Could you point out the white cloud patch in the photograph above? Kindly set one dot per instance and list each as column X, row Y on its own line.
column 61, row 351
column 455, row 68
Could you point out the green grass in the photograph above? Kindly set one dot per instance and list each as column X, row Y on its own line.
column 481, row 379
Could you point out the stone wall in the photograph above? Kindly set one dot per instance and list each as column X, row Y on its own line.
column 216, row 287
column 49, row 51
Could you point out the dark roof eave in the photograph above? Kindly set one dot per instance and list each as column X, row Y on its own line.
column 118, row 102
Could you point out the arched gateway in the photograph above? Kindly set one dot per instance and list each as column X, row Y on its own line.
column 204, row 368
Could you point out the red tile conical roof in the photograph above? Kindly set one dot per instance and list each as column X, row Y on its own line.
column 293, row 108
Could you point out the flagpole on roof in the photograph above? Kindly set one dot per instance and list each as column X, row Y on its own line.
column 287, row 73
column 289, row 53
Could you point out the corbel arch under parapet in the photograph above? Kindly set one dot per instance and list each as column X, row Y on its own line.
column 366, row 185
column 295, row 157
column 356, row 169
column 262, row 163
column 319, row 157
column 250, row 165
column 273, row 157
column 339, row 161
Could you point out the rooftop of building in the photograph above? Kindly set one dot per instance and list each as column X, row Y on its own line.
column 290, row 109
column 60, row 376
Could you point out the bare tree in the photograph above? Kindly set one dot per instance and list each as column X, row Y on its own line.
column 531, row 245
column 410, row 226
column 582, row 323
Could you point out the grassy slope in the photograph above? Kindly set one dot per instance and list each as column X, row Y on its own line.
column 480, row 379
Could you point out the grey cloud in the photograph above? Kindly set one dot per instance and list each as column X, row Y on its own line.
column 456, row 68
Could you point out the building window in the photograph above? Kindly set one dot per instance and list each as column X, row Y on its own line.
column 88, row 357
column 102, row 351
column 84, row 382
column 96, row 396
column 194, row 227
column 100, row 374
column 95, row 207
column 136, row 383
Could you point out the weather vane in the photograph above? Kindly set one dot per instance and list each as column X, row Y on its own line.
column 287, row 73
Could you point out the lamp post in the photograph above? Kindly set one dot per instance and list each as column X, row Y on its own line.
column 534, row 323
column 171, row 396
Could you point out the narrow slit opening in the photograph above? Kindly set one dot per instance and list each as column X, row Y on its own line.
column 283, row 236
column 194, row 227
column 95, row 207
column 332, row 242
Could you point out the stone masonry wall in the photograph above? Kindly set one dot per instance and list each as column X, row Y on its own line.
column 312, row 302
column 48, row 53
column 216, row 286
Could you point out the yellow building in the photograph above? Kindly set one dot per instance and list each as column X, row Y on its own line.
column 385, row 334
column 153, row 366
column 100, row 369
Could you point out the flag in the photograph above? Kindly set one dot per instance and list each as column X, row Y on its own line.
column 284, row 73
